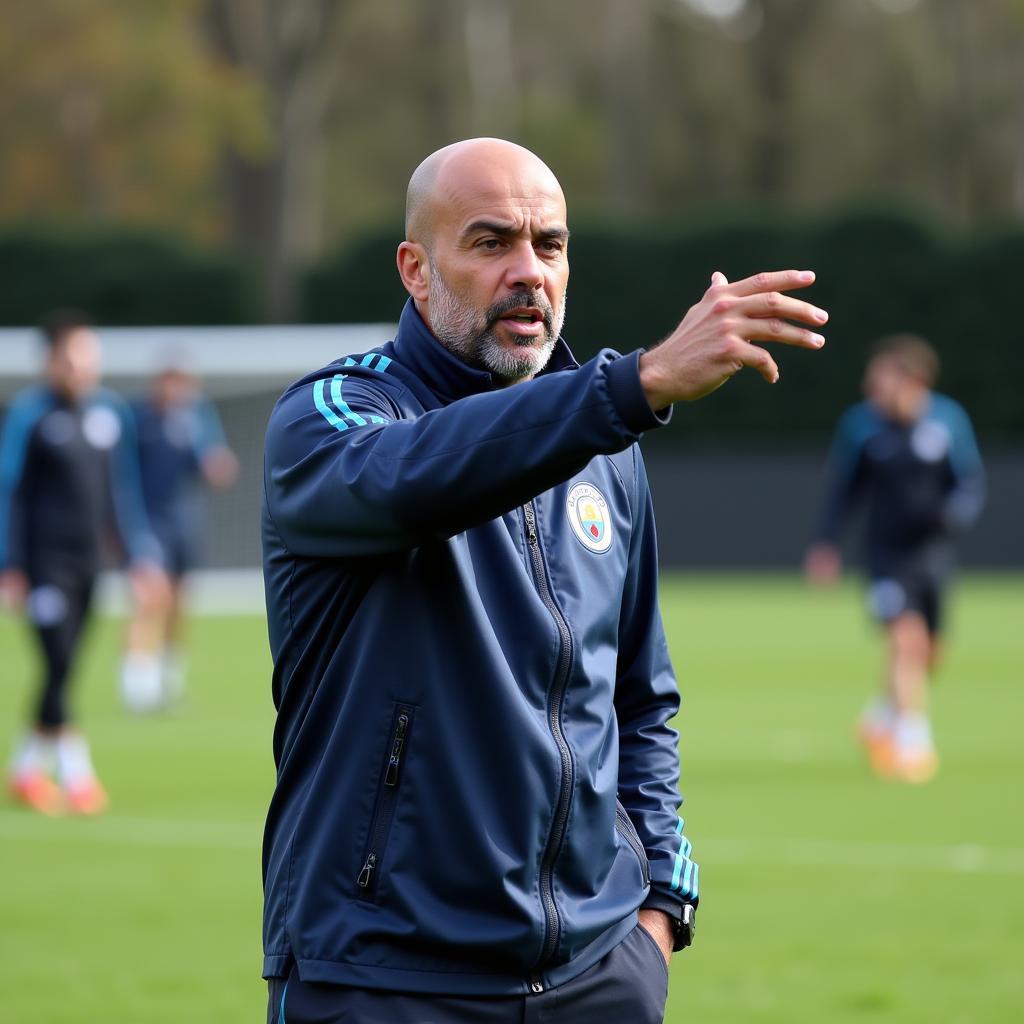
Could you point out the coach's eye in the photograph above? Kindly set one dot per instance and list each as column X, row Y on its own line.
column 491, row 244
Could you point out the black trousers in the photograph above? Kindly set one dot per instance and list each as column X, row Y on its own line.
column 58, row 608
column 629, row 986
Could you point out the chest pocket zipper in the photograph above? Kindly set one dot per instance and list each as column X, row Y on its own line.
column 387, row 800
column 628, row 832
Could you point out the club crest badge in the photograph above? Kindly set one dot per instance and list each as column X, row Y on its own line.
column 589, row 517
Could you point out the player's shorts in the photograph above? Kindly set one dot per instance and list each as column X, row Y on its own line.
column 914, row 582
column 180, row 546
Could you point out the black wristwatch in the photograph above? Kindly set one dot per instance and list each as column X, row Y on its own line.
column 683, row 927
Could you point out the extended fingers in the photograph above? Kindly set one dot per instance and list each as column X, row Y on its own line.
column 777, row 305
column 774, row 329
column 773, row 281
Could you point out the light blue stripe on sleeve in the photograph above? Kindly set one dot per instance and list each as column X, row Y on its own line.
column 681, row 857
column 352, row 417
column 349, row 361
column 368, row 359
column 677, row 870
column 382, row 364
column 688, row 876
column 327, row 412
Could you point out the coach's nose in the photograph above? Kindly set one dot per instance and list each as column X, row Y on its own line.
column 525, row 269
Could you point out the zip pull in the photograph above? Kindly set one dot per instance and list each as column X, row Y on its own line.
column 395, row 761
column 367, row 873
column 531, row 522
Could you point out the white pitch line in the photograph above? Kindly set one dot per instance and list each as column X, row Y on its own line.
column 958, row 858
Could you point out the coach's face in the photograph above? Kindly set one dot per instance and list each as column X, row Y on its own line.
column 487, row 258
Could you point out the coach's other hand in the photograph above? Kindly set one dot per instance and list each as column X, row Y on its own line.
column 714, row 339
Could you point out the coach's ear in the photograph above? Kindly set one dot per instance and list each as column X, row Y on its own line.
column 414, row 270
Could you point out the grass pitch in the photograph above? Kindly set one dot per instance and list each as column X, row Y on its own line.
column 828, row 896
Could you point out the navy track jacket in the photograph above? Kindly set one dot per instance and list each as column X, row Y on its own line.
column 476, row 778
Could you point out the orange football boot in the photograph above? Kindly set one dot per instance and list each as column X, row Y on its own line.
column 38, row 791
column 86, row 797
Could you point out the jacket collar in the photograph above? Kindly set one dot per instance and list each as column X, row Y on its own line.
column 444, row 373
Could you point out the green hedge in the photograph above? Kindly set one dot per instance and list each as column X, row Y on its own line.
column 121, row 277
column 879, row 269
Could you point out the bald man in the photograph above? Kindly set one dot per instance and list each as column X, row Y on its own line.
column 476, row 813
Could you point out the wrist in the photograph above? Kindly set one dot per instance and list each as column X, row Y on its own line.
column 653, row 382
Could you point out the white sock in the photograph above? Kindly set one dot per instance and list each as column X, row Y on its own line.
column 34, row 753
column 913, row 733
column 140, row 682
column 74, row 762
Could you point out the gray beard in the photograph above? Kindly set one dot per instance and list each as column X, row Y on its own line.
column 466, row 334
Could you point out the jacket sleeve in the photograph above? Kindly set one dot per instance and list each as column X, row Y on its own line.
column 346, row 475
column 646, row 700
column 19, row 424
column 843, row 475
column 132, row 522
column 966, row 498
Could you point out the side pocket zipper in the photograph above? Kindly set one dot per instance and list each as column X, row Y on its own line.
column 628, row 832
column 384, row 811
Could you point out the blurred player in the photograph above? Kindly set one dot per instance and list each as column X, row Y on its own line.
column 68, row 471
column 181, row 445
column 910, row 454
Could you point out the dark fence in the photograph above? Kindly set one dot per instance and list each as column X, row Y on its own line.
column 759, row 509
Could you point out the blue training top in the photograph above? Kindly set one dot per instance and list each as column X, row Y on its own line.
column 68, row 471
column 172, row 445
column 922, row 482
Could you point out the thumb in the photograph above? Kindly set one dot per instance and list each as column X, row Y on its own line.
column 719, row 278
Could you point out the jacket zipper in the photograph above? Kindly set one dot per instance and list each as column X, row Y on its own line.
column 385, row 809
column 628, row 832
column 555, row 696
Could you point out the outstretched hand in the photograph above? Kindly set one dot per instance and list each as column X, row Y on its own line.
column 714, row 340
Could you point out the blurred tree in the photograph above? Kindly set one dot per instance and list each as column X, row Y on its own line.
column 115, row 111
column 276, row 198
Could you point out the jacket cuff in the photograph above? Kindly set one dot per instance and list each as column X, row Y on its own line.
column 627, row 394
column 667, row 904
